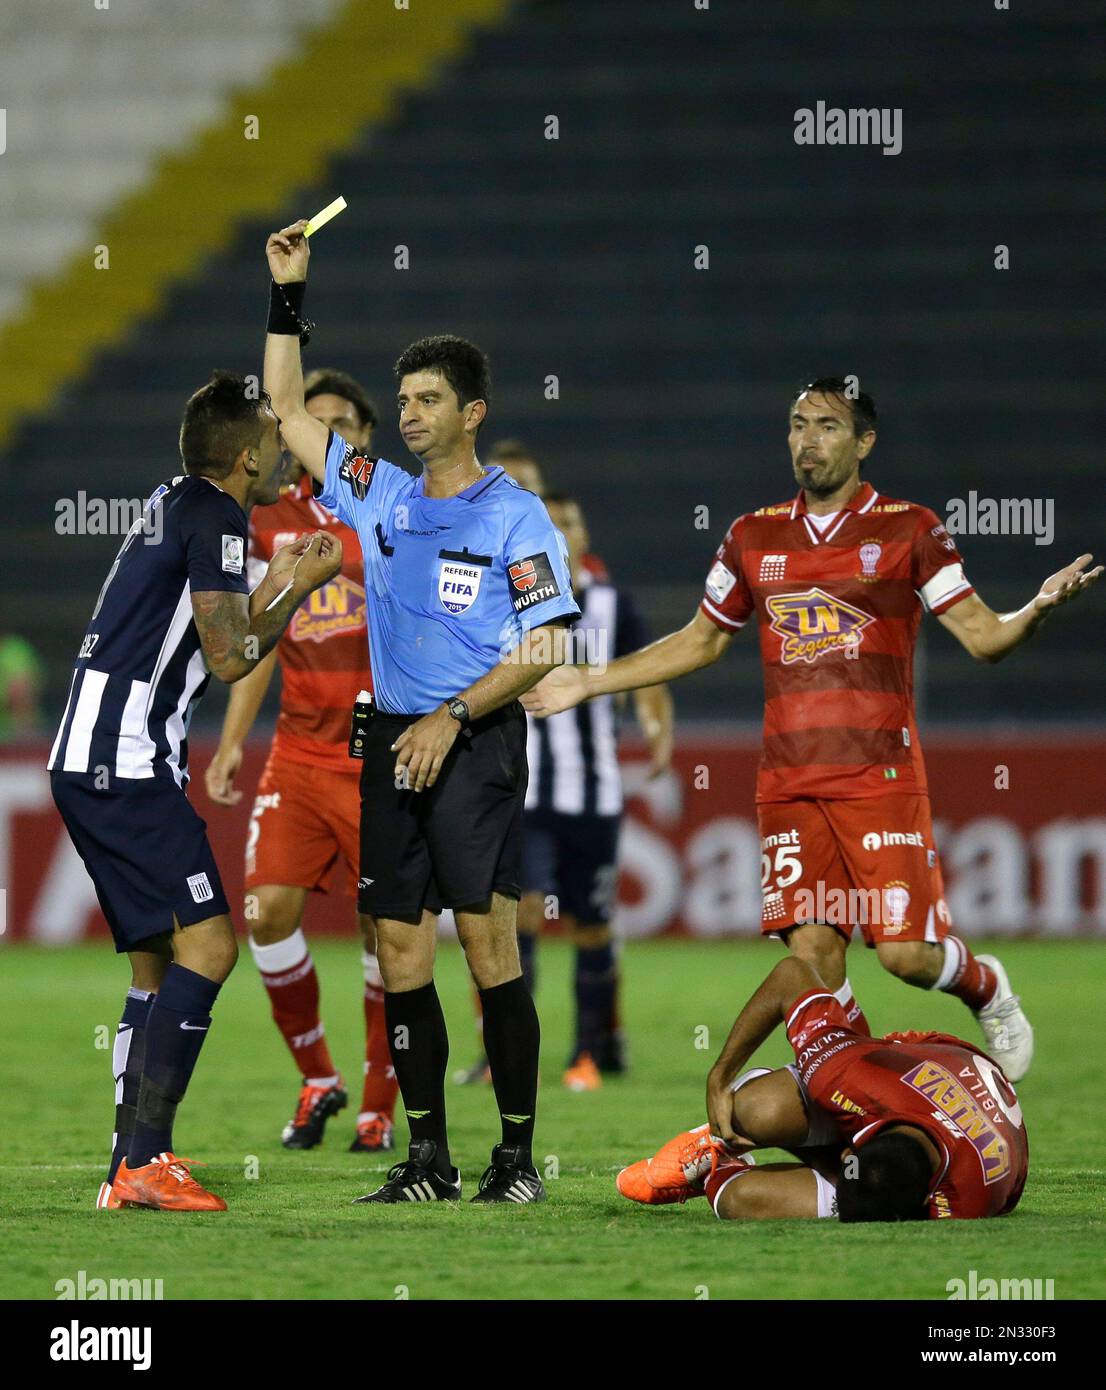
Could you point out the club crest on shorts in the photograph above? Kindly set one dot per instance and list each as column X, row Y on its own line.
column 458, row 585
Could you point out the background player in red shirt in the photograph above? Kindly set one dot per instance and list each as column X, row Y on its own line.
column 307, row 810
column 838, row 579
column 901, row 1128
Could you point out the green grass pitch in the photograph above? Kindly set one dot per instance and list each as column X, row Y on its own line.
column 292, row 1233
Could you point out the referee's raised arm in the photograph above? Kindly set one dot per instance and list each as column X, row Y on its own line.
column 287, row 252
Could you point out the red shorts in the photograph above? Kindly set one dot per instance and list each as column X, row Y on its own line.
column 304, row 819
column 868, row 862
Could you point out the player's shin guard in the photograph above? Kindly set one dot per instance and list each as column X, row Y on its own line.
column 176, row 1027
column 512, row 1040
column 288, row 974
column 379, row 1094
column 962, row 975
column 853, row 1012
column 127, row 1058
column 420, row 1054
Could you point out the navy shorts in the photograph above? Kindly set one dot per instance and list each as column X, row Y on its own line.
column 459, row 842
column 574, row 857
column 146, row 852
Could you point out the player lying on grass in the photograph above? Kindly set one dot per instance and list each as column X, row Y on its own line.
column 902, row 1128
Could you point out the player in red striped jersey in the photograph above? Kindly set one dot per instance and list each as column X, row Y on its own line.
column 906, row 1127
column 837, row 580
column 307, row 810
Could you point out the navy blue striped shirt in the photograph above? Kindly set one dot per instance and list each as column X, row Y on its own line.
column 140, row 671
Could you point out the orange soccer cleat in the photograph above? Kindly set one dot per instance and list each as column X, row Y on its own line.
column 375, row 1134
column 583, row 1074
column 106, row 1200
column 166, row 1184
column 677, row 1171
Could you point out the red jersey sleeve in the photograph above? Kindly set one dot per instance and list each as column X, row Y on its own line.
column 727, row 600
column 936, row 566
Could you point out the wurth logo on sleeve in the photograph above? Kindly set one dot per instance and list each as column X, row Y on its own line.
column 532, row 581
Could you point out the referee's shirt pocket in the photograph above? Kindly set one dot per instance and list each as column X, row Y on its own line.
column 458, row 579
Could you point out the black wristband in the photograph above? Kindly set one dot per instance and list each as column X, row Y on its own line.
column 286, row 311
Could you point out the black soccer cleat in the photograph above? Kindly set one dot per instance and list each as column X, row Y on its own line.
column 612, row 1056
column 316, row 1105
column 417, row 1180
column 507, row 1179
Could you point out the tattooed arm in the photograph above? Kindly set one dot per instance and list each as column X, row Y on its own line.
column 236, row 632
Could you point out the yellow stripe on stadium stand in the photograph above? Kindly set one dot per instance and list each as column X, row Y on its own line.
column 322, row 218
column 356, row 65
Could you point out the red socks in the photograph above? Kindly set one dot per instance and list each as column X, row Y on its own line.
column 381, row 1086
column 288, row 974
column 964, row 976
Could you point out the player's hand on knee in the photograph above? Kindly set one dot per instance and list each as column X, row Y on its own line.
column 720, row 1112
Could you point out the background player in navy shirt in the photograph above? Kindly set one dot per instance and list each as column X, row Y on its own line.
column 467, row 583
column 174, row 609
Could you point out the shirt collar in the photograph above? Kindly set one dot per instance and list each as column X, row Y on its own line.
column 861, row 500
column 471, row 493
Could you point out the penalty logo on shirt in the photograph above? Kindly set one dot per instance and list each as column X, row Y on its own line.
column 458, row 585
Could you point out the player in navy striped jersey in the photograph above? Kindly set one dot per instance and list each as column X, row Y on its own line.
column 174, row 609
column 573, row 813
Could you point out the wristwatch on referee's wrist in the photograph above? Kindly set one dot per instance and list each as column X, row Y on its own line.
column 459, row 711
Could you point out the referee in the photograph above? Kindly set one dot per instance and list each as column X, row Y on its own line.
column 467, row 584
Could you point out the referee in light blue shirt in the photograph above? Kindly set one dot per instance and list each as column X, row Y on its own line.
column 468, row 591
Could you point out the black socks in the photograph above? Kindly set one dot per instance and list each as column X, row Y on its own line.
column 512, row 1040
column 420, row 1053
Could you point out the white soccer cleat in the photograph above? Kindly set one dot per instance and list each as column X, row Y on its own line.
column 1007, row 1030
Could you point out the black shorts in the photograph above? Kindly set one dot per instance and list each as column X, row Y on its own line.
column 459, row 842
column 146, row 852
column 575, row 858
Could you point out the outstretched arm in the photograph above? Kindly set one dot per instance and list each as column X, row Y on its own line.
column 698, row 644
column 287, row 252
column 989, row 636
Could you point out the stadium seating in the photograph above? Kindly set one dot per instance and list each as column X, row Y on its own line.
column 573, row 258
